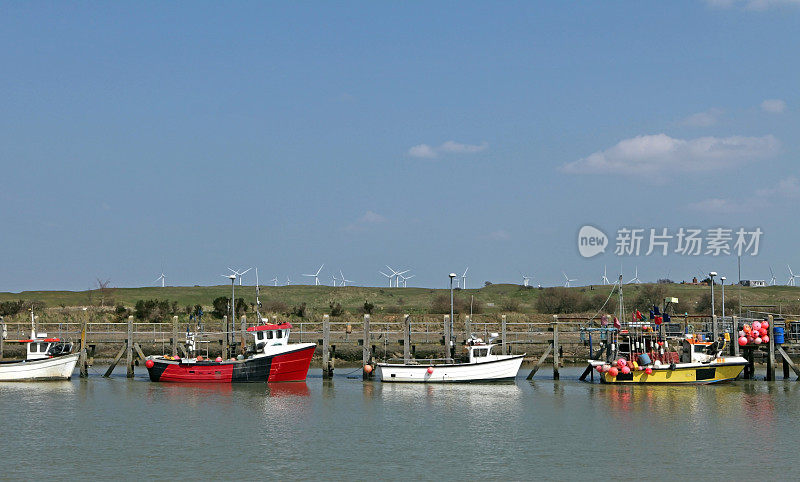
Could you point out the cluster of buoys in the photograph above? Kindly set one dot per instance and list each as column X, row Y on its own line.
column 622, row 366
column 754, row 334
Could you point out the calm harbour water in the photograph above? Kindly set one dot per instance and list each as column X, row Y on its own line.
column 345, row 428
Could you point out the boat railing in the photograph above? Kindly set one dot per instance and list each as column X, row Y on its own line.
column 419, row 361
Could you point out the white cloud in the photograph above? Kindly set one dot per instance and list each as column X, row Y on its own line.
column 650, row 154
column 788, row 188
column 703, row 119
column 752, row 4
column 361, row 224
column 422, row 150
column 775, row 106
column 372, row 217
column 718, row 205
column 449, row 147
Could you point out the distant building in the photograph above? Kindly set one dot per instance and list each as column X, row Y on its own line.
column 753, row 283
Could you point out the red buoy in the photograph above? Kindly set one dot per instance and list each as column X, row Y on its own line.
column 430, row 370
column 648, row 370
column 742, row 340
column 368, row 368
column 613, row 371
column 149, row 363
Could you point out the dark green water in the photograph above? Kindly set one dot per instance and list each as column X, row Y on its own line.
column 346, row 429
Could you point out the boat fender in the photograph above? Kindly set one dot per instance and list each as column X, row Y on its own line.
column 672, row 366
column 430, row 370
column 149, row 363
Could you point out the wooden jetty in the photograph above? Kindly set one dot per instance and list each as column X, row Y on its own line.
column 547, row 343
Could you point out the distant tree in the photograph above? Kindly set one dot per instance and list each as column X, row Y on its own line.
column 368, row 307
column 559, row 300
column 221, row 306
column 665, row 281
column 104, row 293
column 440, row 304
column 487, row 283
column 336, row 308
column 299, row 310
column 11, row 308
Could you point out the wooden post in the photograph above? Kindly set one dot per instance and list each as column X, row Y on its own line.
column 446, row 337
column 555, row 348
column 540, row 362
column 467, row 326
column 82, row 362
column 366, row 356
column 788, row 361
column 114, row 363
column 174, row 336
column 406, row 338
column 771, row 358
column 327, row 367
column 503, row 333
column 225, row 353
column 242, row 339
column 714, row 326
column 129, row 349
column 735, row 336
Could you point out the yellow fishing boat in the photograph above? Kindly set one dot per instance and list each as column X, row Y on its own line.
column 643, row 358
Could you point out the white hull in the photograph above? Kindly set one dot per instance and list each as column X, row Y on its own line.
column 58, row 368
column 504, row 368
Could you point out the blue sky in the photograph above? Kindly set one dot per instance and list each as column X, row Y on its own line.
column 424, row 135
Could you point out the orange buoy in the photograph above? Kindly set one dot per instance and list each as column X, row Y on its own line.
column 149, row 363
column 368, row 368
column 199, row 357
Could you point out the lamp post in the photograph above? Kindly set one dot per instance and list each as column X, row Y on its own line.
column 452, row 276
column 713, row 314
column 722, row 282
column 233, row 307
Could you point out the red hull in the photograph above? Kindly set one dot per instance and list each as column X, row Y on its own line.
column 286, row 367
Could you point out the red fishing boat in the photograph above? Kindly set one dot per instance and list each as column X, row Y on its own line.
column 271, row 358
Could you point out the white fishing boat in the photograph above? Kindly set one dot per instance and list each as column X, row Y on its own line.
column 480, row 365
column 45, row 359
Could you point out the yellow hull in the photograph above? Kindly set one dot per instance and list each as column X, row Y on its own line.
column 692, row 374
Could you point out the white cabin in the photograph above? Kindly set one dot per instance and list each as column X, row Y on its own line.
column 270, row 335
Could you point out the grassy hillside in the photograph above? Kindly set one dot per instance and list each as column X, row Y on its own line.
column 492, row 299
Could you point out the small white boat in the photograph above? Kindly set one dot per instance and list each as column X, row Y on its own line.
column 46, row 359
column 481, row 366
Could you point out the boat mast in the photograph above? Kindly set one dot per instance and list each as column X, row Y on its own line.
column 33, row 324
column 258, row 303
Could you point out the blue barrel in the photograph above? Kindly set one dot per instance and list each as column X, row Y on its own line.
column 644, row 359
column 778, row 333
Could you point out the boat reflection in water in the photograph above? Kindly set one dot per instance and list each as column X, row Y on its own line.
column 288, row 389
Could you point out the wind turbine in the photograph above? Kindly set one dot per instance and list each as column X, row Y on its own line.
column 390, row 276
column 275, row 280
column 405, row 279
column 773, row 279
column 568, row 280
column 343, row 279
column 316, row 275
column 525, row 280
column 163, row 279
column 239, row 274
column 396, row 275
column 288, row 281
column 635, row 279
column 792, row 276
column 464, row 279
column 605, row 278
